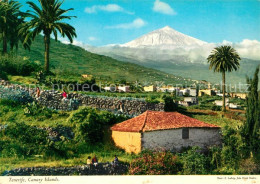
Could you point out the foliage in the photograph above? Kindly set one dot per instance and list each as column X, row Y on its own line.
column 19, row 139
column 15, row 65
column 49, row 19
column 88, row 124
column 234, row 148
column 11, row 19
column 194, row 162
column 251, row 133
column 169, row 104
column 155, row 163
column 224, row 59
column 34, row 109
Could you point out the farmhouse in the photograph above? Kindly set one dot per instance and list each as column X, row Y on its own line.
column 171, row 131
column 208, row 92
column 151, row 88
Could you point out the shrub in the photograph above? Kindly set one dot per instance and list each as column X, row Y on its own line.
column 20, row 139
column 3, row 75
column 169, row 105
column 18, row 66
column 194, row 162
column 155, row 163
column 87, row 125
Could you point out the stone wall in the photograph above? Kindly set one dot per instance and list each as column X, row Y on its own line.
column 172, row 139
column 100, row 169
column 53, row 100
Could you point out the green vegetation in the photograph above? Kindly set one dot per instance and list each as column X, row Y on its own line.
column 47, row 18
column 251, row 127
column 24, row 139
column 11, row 20
column 155, row 163
column 224, row 59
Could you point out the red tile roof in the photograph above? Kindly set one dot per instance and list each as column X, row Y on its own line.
column 157, row 120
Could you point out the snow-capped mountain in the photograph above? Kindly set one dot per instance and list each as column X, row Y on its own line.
column 165, row 38
column 173, row 52
column 162, row 45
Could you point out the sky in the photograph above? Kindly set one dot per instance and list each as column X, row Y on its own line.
column 103, row 22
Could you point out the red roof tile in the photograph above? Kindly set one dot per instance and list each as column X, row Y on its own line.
column 157, row 120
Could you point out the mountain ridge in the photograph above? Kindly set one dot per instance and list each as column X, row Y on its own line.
column 164, row 36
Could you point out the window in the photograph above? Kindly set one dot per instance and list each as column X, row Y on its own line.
column 185, row 133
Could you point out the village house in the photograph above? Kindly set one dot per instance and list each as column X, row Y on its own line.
column 86, row 76
column 220, row 102
column 188, row 101
column 208, row 92
column 125, row 89
column 238, row 95
column 155, row 130
column 193, row 92
column 151, row 88
column 110, row 88
column 228, row 104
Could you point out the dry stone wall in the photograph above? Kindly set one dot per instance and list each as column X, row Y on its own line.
column 100, row 169
column 53, row 100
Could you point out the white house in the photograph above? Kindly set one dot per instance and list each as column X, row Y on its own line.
column 193, row 92
column 110, row 88
column 155, row 130
column 220, row 102
column 124, row 89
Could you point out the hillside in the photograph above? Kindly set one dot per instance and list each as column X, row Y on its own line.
column 74, row 61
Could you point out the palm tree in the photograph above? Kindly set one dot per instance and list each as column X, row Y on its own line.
column 224, row 59
column 47, row 18
column 9, row 15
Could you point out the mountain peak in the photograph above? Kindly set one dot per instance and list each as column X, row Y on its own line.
column 166, row 28
column 164, row 38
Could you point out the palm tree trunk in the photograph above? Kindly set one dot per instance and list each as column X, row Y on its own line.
column 47, row 52
column 4, row 43
column 224, row 92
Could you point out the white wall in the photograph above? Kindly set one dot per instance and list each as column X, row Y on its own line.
column 172, row 139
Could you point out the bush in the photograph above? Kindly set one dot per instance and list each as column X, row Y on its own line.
column 87, row 125
column 155, row 163
column 194, row 162
column 18, row 66
column 169, row 105
column 19, row 139
column 3, row 75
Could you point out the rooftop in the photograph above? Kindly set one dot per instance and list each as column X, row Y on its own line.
column 157, row 120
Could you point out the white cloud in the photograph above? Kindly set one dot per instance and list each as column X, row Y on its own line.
column 107, row 8
column 248, row 49
column 137, row 23
column 92, row 38
column 163, row 7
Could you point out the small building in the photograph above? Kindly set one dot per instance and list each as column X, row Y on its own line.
column 151, row 88
column 192, row 99
column 208, row 92
column 110, row 88
column 124, row 89
column 155, row 130
column 220, row 102
column 238, row 95
column 193, row 92
column 86, row 76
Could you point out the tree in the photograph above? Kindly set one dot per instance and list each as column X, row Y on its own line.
column 9, row 17
column 47, row 18
column 250, row 130
column 224, row 59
